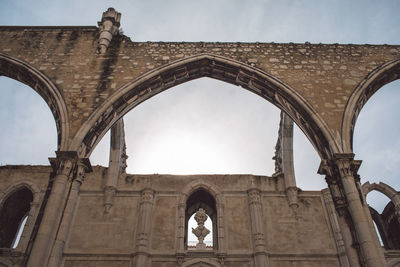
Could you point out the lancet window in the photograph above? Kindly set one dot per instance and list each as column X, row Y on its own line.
column 13, row 216
column 201, row 221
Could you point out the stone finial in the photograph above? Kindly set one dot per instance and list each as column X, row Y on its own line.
column 201, row 231
column 108, row 26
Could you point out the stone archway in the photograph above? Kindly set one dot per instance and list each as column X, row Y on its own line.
column 385, row 189
column 381, row 76
column 212, row 66
column 23, row 72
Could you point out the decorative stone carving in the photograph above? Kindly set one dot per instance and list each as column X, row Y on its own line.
column 335, row 186
column 108, row 26
column 200, row 231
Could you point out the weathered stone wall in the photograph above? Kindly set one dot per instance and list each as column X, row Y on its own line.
column 324, row 75
column 107, row 239
column 321, row 87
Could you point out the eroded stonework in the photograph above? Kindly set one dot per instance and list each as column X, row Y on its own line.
column 82, row 216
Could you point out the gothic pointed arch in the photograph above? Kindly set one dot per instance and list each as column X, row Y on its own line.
column 212, row 66
column 18, row 201
column 385, row 189
column 379, row 77
column 24, row 72
column 201, row 194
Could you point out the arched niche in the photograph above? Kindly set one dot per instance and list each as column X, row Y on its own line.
column 23, row 72
column 205, row 65
column 214, row 197
column 19, row 201
column 201, row 198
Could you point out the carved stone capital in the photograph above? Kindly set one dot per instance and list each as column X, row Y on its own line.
column 333, row 179
column 346, row 165
column 83, row 167
column 64, row 163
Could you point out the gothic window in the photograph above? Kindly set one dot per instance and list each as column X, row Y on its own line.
column 13, row 216
column 202, row 213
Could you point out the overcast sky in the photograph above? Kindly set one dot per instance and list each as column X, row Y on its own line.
column 206, row 126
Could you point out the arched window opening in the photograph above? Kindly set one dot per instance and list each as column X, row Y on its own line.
column 385, row 220
column 379, row 233
column 30, row 134
column 201, row 212
column 13, row 213
column 19, row 232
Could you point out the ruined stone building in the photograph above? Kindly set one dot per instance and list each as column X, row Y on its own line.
column 79, row 215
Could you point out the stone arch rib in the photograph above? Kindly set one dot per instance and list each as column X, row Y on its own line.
column 383, row 188
column 212, row 66
column 381, row 76
column 23, row 72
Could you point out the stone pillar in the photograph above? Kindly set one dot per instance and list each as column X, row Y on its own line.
column 181, row 230
column 83, row 167
column 337, row 233
column 64, row 166
column 117, row 163
column 257, row 227
column 348, row 200
column 143, row 228
column 344, row 219
column 221, row 226
column 108, row 26
column 284, row 159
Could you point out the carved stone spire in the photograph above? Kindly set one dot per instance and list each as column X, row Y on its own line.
column 108, row 26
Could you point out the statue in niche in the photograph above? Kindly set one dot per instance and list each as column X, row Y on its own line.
column 201, row 231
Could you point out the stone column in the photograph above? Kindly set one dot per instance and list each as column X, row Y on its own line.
column 117, row 163
column 337, row 232
column 143, row 228
column 181, row 230
column 257, row 227
column 221, row 226
column 347, row 197
column 64, row 166
column 284, row 159
column 344, row 219
column 83, row 167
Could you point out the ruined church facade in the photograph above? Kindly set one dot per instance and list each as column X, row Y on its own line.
column 78, row 215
